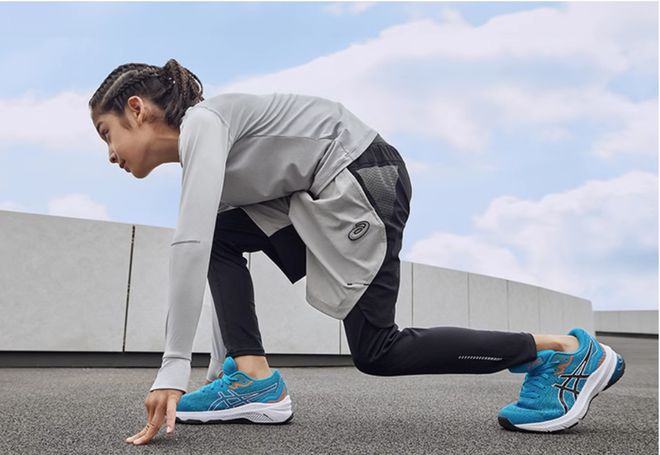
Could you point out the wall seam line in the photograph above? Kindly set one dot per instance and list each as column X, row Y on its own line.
column 468, row 299
column 538, row 305
column 128, row 289
column 508, row 309
column 412, row 295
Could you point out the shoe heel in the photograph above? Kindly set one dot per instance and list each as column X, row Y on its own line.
column 270, row 413
column 280, row 412
column 617, row 374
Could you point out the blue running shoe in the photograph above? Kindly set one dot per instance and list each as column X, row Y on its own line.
column 235, row 396
column 618, row 371
column 559, row 386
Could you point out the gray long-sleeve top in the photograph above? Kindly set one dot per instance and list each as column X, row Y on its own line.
column 239, row 149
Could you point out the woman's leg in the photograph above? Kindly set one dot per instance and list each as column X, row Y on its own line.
column 232, row 288
column 377, row 345
column 388, row 351
column 231, row 284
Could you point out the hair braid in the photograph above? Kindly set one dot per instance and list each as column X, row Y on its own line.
column 173, row 88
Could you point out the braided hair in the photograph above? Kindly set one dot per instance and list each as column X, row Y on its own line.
column 172, row 87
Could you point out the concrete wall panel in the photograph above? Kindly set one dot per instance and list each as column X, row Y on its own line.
column 145, row 328
column 288, row 324
column 578, row 313
column 607, row 321
column 561, row 312
column 487, row 303
column 147, row 310
column 63, row 283
column 523, row 307
column 439, row 296
column 634, row 321
column 551, row 312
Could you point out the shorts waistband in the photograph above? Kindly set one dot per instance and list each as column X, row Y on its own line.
column 379, row 139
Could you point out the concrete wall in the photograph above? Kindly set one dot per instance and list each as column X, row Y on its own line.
column 641, row 321
column 69, row 284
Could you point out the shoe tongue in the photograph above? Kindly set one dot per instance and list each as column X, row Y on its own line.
column 541, row 358
column 229, row 366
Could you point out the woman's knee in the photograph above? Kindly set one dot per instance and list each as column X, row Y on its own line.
column 371, row 346
column 369, row 365
column 377, row 357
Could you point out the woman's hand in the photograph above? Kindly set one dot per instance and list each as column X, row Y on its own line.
column 159, row 403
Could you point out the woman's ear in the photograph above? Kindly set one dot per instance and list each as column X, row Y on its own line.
column 138, row 110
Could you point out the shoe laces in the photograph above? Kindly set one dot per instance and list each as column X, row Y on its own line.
column 222, row 382
column 536, row 381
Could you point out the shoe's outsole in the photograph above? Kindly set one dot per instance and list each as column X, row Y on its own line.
column 230, row 421
column 549, row 427
column 259, row 413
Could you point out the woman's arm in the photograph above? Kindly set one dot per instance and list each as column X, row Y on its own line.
column 204, row 145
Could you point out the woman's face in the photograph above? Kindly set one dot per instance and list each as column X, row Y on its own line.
column 128, row 138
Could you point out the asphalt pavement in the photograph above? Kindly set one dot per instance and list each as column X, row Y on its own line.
column 336, row 410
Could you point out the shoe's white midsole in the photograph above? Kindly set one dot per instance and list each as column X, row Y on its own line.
column 595, row 383
column 255, row 412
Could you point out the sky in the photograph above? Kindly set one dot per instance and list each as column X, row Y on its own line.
column 530, row 130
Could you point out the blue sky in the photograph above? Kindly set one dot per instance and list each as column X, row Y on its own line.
column 530, row 129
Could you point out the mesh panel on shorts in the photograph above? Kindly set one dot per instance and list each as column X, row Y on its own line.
column 381, row 184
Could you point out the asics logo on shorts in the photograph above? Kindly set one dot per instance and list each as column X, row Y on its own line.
column 361, row 228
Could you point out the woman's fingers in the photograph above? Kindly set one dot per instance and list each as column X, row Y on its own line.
column 171, row 412
column 158, row 403
column 149, row 403
column 137, row 435
column 154, row 425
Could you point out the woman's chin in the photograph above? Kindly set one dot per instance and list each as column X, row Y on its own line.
column 140, row 173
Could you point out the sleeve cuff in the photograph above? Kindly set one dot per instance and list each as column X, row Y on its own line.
column 174, row 373
column 215, row 367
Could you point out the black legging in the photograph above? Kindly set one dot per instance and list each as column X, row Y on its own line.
column 388, row 351
column 377, row 345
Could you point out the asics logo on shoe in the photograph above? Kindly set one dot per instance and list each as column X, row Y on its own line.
column 575, row 375
column 231, row 398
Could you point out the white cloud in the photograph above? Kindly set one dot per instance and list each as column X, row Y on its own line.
column 611, row 37
column 77, row 206
column 468, row 253
column 639, row 134
column 416, row 166
column 352, row 8
column 61, row 122
column 598, row 241
column 636, row 121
